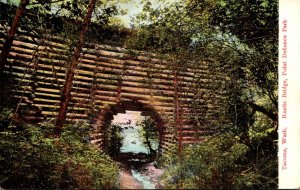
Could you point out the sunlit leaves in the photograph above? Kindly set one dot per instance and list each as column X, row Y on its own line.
column 14, row 2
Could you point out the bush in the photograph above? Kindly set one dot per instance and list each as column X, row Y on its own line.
column 221, row 163
column 32, row 158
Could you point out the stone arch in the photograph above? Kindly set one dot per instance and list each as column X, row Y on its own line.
column 105, row 117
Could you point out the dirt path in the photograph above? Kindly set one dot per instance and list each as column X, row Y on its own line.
column 127, row 181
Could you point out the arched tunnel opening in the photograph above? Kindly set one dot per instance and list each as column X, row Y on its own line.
column 132, row 133
column 132, row 138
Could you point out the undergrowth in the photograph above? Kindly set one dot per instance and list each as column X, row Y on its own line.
column 220, row 163
column 33, row 158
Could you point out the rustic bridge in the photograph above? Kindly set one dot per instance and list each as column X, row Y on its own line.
column 184, row 99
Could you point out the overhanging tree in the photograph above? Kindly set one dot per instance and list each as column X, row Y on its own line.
column 11, row 34
column 66, row 91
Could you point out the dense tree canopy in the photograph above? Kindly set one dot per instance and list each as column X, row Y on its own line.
column 238, row 38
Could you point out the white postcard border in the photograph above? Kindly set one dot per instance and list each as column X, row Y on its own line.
column 289, row 95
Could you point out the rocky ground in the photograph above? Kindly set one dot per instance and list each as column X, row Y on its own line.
column 148, row 171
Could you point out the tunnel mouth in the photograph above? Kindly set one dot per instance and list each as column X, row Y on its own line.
column 132, row 133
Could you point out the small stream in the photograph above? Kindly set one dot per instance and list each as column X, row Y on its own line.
column 145, row 176
column 144, row 180
column 138, row 168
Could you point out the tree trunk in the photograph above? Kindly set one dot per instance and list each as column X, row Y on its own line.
column 11, row 34
column 66, row 92
column 148, row 143
column 268, row 113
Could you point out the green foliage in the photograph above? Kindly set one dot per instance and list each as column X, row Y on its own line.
column 149, row 134
column 255, row 22
column 222, row 162
column 239, row 40
column 5, row 118
column 14, row 2
column 32, row 158
column 114, row 140
column 64, row 18
column 74, row 10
